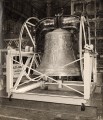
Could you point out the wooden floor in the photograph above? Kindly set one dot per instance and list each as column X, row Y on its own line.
column 33, row 110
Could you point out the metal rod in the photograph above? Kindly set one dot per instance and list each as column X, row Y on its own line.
column 30, row 80
column 64, row 84
column 30, row 35
column 72, row 62
column 22, row 73
column 29, row 87
column 31, row 64
column 82, row 21
column 56, row 81
column 30, row 24
column 80, row 49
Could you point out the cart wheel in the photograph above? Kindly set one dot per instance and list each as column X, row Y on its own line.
column 82, row 107
column 10, row 97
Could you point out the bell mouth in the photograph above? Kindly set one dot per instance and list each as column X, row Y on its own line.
column 60, row 72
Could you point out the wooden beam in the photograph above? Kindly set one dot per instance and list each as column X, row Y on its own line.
column 1, row 40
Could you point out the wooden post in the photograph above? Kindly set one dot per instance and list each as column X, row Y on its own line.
column 1, row 41
column 95, row 69
column 87, row 74
column 72, row 7
column 1, row 45
column 9, row 72
column 48, row 8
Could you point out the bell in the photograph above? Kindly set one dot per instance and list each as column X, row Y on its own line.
column 57, row 53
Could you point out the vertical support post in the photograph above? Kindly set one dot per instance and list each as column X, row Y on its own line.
column 1, row 40
column 95, row 69
column 95, row 15
column 72, row 7
column 0, row 62
column 9, row 71
column 60, row 82
column 48, row 8
column 87, row 74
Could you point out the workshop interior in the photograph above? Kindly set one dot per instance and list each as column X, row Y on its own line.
column 51, row 59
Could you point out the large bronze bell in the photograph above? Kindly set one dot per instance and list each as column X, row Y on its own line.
column 57, row 53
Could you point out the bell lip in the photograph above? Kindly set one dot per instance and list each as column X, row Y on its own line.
column 59, row 73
